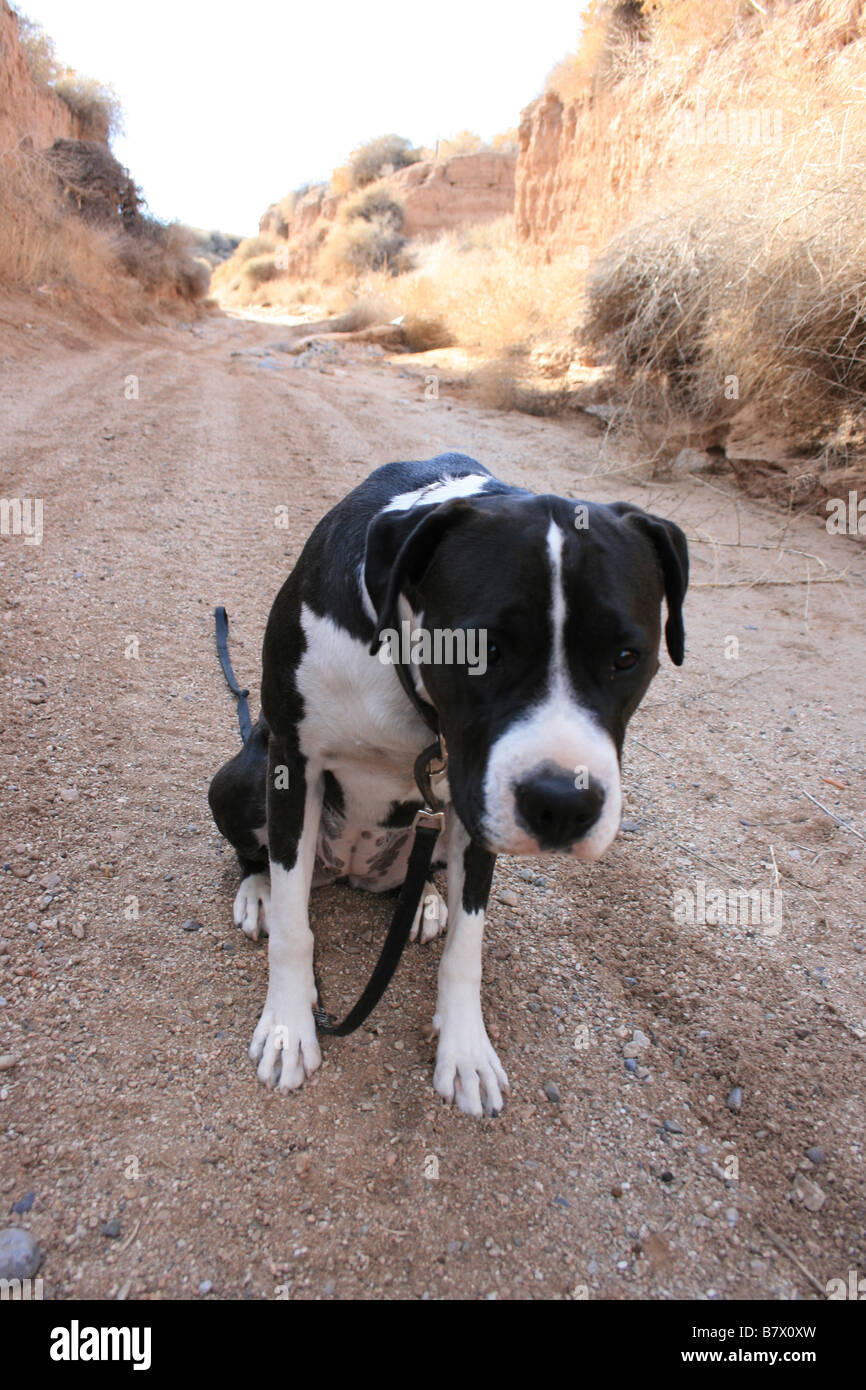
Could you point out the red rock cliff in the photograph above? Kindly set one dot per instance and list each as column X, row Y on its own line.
column 26, row 107
column 548, row 208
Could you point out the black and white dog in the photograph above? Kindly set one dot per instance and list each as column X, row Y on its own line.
column 566, row 598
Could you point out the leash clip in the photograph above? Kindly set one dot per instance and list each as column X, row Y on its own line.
column 426, row 819
column 431, row 763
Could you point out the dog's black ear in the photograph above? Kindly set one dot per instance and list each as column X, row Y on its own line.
column 399, row 551
column 672, row 550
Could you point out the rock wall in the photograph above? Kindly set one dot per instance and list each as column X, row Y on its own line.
column 26, row 108
column 468, row 188
column 548, row 210
column 435, row 197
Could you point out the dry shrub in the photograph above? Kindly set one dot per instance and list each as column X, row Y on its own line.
column 161, row 258
column 341, row 181
column 506, row 142
column 367, row 236
column 369, row 161
column 259, row 269
column 39, row 241
column 95, row 184
column 96, row 106
column 253, row 246
column 464, row 142
column 475, row 287
column 742, row 291
column 354, row 247
column 38, row 49
column 115, row 264
column 575, row 76
column 755, row 301
column 375, row 203
column 214, row 247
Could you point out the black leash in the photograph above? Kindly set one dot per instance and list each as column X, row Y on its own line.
column 222, row 640
column 428, row 825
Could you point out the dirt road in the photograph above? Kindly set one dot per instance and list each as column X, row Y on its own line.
column 158, row 1166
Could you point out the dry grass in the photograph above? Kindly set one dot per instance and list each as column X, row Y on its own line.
column 161, row 259
column 119, row 269
column 475, row 287
column 254, row 246
column 96, row 105
column 371, row 160
column 39, row 241
column 260, row 269
column 761, row 292
column 737, row 293
column 38, row 49
column 367, row 235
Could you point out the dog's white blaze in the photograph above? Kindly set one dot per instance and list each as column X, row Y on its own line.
column 559, row 731
column 445, row 490
column 557, row 605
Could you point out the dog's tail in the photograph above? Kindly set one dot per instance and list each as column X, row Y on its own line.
column 222, row 639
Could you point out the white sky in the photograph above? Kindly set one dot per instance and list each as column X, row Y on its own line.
column 229, row 106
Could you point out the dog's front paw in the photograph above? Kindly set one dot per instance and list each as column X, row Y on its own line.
column 468, row 1070
column 431, row 917
column 251, row 904
column 285, row 1043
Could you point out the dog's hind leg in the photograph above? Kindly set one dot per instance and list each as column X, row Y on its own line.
column 284, row 1043
column 431, row 917
column 237, row 797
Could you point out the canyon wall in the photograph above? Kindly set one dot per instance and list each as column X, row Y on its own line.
column 548, row 211
column 26, row 107
column 435, row 197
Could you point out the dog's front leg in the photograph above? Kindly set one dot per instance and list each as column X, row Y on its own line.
column 468, row 1070
column 285, row 1043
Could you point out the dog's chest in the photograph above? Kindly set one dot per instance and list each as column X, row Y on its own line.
column 359, row 727
column 355, row 710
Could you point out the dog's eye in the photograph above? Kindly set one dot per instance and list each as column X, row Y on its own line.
column 493, row 654
column 626, row 659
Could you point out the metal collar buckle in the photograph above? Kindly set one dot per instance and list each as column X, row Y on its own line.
column 429, row 820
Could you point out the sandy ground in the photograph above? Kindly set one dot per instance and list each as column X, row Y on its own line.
column 159, row 1167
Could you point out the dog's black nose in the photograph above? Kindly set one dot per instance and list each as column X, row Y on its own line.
column 555, row 811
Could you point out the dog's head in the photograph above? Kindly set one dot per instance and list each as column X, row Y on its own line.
column 535, row 626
